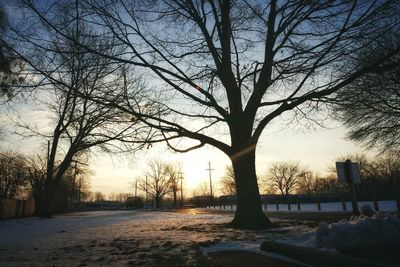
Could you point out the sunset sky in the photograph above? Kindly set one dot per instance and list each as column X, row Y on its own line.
column 317, row 149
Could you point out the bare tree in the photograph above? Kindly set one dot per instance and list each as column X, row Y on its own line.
column 37, row 166
column 308, row 184
column 98, row 197
column 174, row 171
column 202, row 189
column 285, row 176
column 234, row 67
column 330, row 185
column 122, row 197
column 156, row 182
column 79, row 123
column 13, row 174
column 227, row 182
column 269, row 190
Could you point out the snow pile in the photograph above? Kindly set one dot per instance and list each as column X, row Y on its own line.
column 360, row 232
column 366, row 230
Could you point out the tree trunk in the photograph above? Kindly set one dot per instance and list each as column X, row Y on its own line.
column 52, row 183
column 47, row 202
column 175, row 198
column 249, row 214
column 157, row 202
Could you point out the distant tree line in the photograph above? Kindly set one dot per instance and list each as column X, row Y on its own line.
column 380, row 179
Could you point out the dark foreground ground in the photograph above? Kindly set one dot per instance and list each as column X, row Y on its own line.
column 139, row 238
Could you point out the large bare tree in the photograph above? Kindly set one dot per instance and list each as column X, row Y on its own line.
column 224, row 70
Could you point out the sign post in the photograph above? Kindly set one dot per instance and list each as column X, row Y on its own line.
column 349, row 172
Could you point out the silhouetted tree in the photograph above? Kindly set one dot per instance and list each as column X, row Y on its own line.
column 174, row 171
column 380, row 175
column 79, row 123
column 308, row 184
column 156, row 181
column 233, row 66
column 330, row 185
column 98, row 197
column 227, row 182
column 13, row 174
column 37, row 165
column 285, row 176
column 203, row 190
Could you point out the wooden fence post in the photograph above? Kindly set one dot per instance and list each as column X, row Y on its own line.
column 376, row 204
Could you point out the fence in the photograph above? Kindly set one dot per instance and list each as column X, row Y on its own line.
column 13, row 208
column 385, row 206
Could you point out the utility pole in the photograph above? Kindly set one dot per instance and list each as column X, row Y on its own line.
column 73, row 190
column 209, row 171
column 48, row 152
column 146, row 193
column 79, row 191
column 80, row 179
column 181, row 178
column 136, row 188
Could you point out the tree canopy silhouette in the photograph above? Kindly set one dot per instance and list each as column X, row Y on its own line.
column 370, row 107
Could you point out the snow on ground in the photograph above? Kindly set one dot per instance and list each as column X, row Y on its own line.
column 127, row 238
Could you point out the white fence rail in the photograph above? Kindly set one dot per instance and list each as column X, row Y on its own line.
column 384, row 206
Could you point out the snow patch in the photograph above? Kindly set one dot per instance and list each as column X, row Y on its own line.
column 358, row 233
